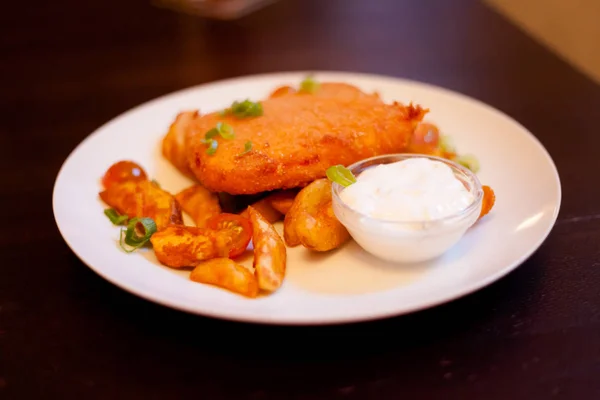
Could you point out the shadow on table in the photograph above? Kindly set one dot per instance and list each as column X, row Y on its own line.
column 470, row 313
column 130, row 333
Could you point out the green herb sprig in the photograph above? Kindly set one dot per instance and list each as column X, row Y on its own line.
column 137, row 234
column 114, row 216
column 221, row 129
column 247, row 147
column 243, row 109
column 309, row 85
column 340, row 174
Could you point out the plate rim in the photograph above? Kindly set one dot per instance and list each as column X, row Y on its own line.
column 468, row 289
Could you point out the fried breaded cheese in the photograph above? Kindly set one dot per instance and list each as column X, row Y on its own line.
column 296, row 139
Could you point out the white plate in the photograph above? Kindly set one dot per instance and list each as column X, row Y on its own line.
column 346, row 285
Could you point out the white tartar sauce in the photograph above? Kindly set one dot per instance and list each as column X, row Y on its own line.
column 415, row 189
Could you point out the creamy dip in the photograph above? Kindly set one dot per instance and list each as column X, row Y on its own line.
column 415, row 189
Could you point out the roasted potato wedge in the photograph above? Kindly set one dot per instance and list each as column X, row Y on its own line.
column 179, row 246
column 307, row 200
column 174, row 142
column 327, row 233
column 200, row 203
column 226, row 273
column 311, row 221
column 269, row 252
column 282, row 201
column 143, row 199
column 488, row 201
column 264, row 207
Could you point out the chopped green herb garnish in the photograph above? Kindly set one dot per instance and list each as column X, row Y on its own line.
column 137, row 234
column 341, row 175
column 221, row 129
column 212, row 147
column 244, row 109
column 468, row 161
column 309, row 85
column 155, row 183
column 447, row 144
column 225, row 130
column 247, row 147
column 115, row 217
column 211, row 134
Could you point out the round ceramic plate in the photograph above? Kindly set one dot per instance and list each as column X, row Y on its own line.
column 346, row 285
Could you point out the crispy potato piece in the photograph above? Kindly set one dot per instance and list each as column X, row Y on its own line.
column 311, row 221
column 269, row 252
column 179, row 246
column 327, row 233
column 226, row 273
column 282, row 201
column 264, row 207
column 200, row 203
column 488, row 201
column 143, row 199
column 308, row 199
column 174, row 142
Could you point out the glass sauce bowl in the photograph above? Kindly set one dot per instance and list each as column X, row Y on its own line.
column 408, row 241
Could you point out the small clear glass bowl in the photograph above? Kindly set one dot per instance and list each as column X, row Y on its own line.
column 408, row 241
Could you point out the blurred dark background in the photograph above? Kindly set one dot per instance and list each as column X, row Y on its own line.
column 69, row 66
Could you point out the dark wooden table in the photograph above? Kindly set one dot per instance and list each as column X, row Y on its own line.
column 69, row 66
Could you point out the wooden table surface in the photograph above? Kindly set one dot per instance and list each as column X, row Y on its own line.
column 65, row 333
